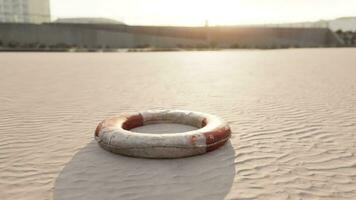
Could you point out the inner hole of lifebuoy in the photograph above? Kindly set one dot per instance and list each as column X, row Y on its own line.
column 163, row 125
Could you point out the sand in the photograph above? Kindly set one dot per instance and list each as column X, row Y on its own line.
column 292, row 112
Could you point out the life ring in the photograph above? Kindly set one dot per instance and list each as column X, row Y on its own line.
column 114, row 134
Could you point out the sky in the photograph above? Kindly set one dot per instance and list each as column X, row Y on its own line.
column 196, row 12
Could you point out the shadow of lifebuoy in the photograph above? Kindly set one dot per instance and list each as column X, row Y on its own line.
column 94, row 173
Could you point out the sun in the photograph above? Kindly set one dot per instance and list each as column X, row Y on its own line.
column 215, row 12
column 197, row 12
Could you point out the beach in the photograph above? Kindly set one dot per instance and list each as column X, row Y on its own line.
column 292, row 113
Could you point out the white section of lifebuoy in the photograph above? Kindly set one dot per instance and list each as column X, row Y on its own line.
column 114, row 134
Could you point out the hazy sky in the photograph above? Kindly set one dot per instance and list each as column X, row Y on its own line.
column 195, row 12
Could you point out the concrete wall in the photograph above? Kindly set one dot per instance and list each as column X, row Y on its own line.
column 119, row 36
column 227, row 36
column 263, row 37
column 91, row 38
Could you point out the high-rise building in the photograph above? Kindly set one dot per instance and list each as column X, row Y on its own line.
column 25, row 11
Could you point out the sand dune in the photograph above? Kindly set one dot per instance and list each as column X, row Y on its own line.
column 292, row 112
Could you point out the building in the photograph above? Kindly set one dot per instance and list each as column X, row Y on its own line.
column 25, row 11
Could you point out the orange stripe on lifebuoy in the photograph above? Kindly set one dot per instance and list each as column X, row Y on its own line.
column 133, row 122
column 217, row 138
column 98, row 128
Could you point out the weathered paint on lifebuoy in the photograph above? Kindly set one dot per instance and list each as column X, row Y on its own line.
column 114, row 134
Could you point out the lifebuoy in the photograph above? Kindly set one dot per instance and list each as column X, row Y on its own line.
column 114, row 134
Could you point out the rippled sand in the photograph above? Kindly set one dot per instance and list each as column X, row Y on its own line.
column 292, row 112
